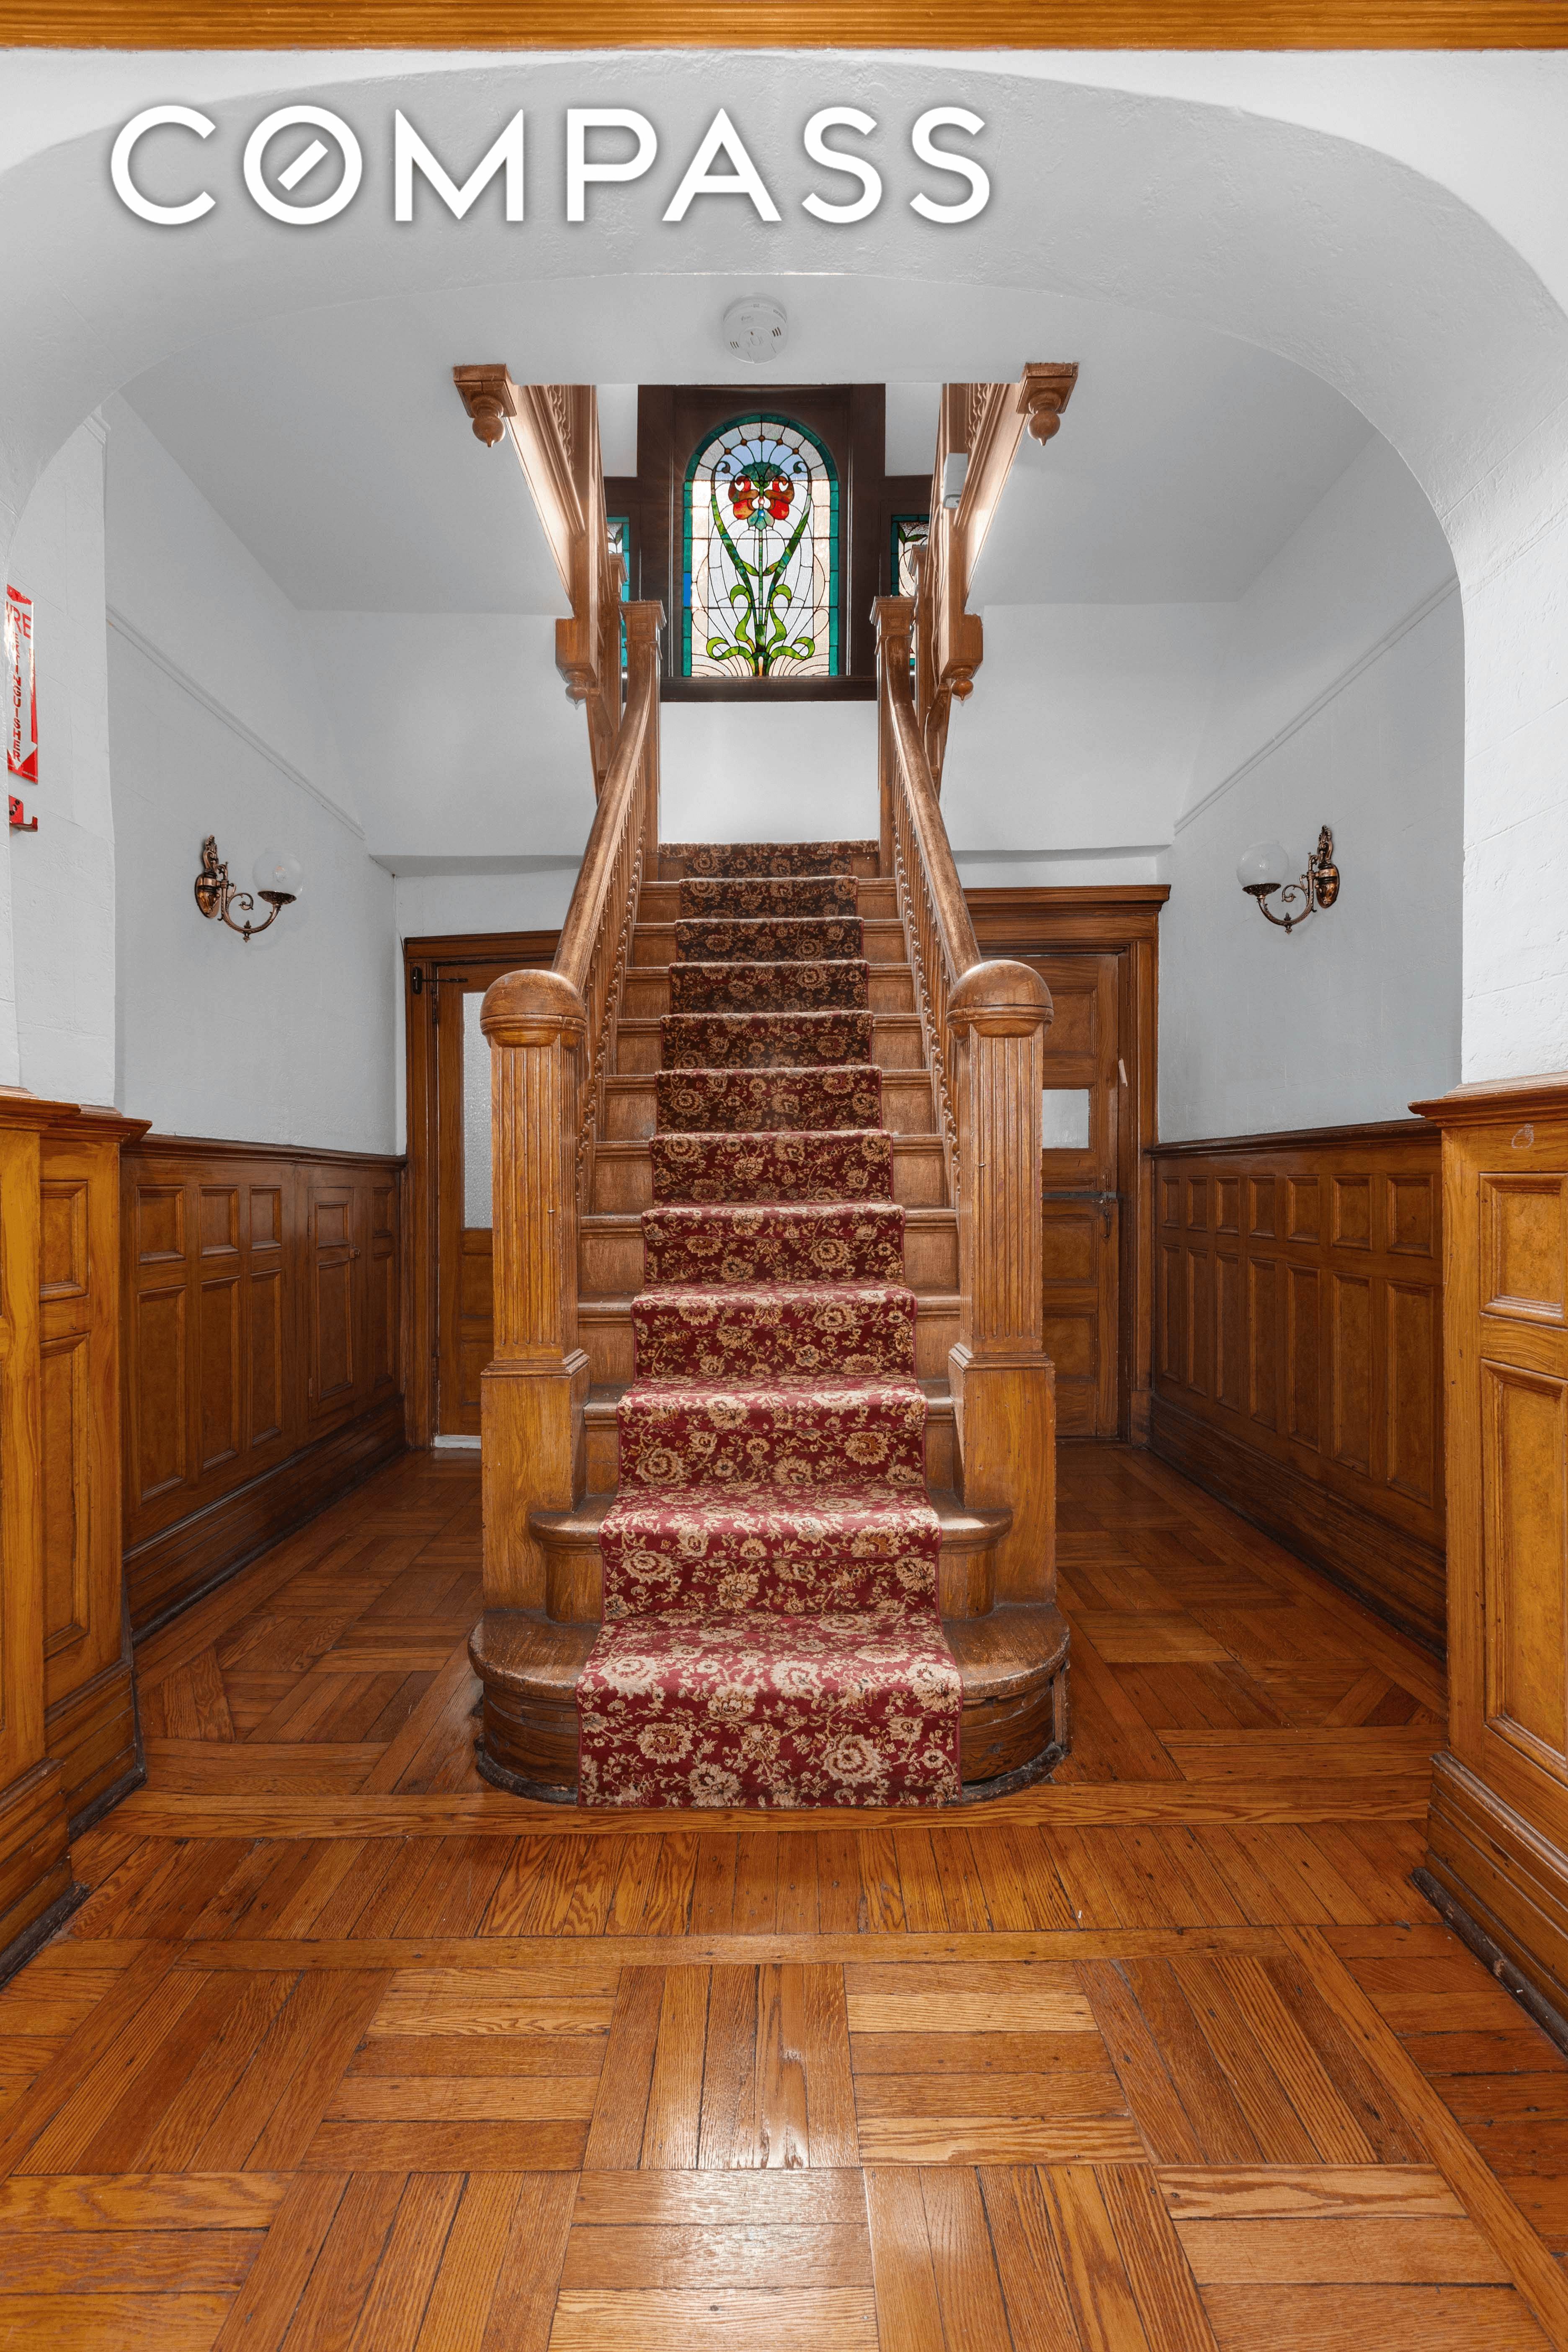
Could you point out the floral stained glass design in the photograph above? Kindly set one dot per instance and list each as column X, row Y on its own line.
column 911, row 532
column 760, row 587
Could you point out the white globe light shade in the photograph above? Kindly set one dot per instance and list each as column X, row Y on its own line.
column 275, row 869
column 1263, row 866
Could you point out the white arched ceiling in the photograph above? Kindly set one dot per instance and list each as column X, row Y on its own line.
column 1192, row 197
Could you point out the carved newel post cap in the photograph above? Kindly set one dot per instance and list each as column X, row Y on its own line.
column 1000, row 999
column 532, row 1008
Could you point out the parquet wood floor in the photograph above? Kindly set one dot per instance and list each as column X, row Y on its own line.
column 345, row 2050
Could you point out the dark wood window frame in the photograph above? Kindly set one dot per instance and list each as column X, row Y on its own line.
column 851, row 419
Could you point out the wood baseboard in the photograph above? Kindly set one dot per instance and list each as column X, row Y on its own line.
column 175, row 1567
column 1387, row 1570
column 1508, row 1879
column 94, row 1738
column 34, row 1853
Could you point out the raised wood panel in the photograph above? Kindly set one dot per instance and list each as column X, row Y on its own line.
column 1524, row 1443
column 1499, row 1829
column 261, row 1300
column 1298, row 1346
column 90, row 1729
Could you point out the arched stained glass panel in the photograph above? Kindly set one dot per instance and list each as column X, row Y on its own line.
column 761, row 590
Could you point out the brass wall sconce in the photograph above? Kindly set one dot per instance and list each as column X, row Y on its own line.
column 1261, row 869
column 278, row 881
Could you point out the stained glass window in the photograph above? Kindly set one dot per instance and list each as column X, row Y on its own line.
column 619, row 528
column 910, row 531
column 760, row 587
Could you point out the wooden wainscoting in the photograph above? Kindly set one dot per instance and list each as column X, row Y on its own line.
column 1299, row 1348
column 91, row 1712
column 1498, row 1835
column 262, row 1292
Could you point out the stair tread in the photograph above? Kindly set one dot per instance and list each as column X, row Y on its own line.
column 621, row 1302
column 959, row 1525
column 999, row 1656
column 605, row 1396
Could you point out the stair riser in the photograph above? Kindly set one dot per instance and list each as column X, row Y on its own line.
column 654, row 944
column 631, row 1108
column 606, row 1334
column 895, row 1045
column 891, row 990
column 623, row 1176
column 574, row 1582
column 876, row 900
column 670, row 869
column 610, row 1266
column 604, row 1452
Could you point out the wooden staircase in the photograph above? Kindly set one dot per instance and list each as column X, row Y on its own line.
column 575, row 1051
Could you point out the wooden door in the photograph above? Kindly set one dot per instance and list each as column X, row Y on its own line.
column 463, row 1296
column 1080, row 1127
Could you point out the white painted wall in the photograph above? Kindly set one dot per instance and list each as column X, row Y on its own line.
column 1339, row 701
column 794, row 772
column 456, row 733
column 216, row 726
column 1083, row 729
column 63, row 876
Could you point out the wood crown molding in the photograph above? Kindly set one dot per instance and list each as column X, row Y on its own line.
column 1298, row 1139
column 804, row 24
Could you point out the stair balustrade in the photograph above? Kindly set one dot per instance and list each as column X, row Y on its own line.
column 553, row 1036
column 554, row 429
column 984, row 1025
column 983, row 424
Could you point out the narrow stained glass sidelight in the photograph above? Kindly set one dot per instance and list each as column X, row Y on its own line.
column 760, row 587
column 911, row 532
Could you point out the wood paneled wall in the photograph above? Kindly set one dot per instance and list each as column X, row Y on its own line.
column 1297, row 1348
column 261, row 1291
column 1498, row 1828
column 67, row 1727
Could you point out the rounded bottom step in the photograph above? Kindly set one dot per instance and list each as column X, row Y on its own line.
column 1013, row 1732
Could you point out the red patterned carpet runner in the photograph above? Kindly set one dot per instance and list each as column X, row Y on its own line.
column 772, row 1631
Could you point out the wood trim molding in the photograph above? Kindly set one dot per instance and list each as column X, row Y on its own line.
column 1119, row 918
column 1294, row 1139
column 808, row 25
column 1487, row 1100
column 520, row 950
column 1298, row 1363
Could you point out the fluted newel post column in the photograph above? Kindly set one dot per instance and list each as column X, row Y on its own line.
column 533, row 1391
column 1003, row 1381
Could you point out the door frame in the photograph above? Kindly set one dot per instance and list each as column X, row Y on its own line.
column 522, row 949
column 1121, row 919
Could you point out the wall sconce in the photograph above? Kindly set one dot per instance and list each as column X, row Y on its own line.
column 277, row 876
column 1261, row 869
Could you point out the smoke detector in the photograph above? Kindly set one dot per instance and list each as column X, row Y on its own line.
column 756, row 328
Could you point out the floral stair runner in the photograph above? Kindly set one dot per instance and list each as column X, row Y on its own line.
column 771, row 1635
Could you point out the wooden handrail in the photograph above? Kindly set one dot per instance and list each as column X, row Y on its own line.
column 983, row 1024
column 983, row 424
column 554, row 429
column 553, row 1037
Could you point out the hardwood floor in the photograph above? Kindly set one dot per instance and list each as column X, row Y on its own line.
column 344, row 2049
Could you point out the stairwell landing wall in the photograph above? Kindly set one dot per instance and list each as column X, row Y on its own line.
column 1338, row 701
column 216, row 725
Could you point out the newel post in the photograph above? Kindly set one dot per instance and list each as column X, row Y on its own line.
column 533, row 1391
column 1003, row 1383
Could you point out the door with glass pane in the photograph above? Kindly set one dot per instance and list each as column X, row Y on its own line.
column 463, row 1294
column 1079, row 1136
